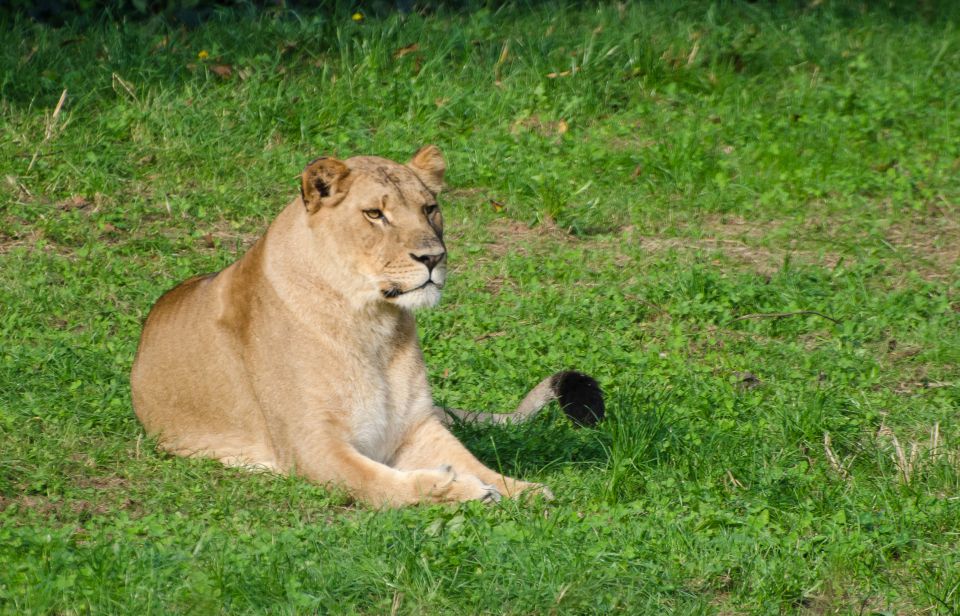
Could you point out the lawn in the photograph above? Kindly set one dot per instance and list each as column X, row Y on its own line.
column 742, row 218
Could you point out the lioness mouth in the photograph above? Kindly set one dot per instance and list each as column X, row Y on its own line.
column 394, row 291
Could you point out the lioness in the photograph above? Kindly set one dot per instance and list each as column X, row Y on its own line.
column 302, row 357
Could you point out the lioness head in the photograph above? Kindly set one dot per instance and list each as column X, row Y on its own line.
column 379, row 226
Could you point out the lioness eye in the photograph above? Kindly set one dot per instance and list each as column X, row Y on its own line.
column 373, row 214
column 430, row 210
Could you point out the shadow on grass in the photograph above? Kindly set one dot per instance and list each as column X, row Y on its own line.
column 547, row 440
column 635, row 431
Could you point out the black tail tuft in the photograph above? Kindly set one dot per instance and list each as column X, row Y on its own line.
column 580, row 397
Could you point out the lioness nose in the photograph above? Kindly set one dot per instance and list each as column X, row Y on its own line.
column 431, row 261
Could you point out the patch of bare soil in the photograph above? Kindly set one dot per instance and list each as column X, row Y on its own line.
column 928, row 244
column 110, row 494
column 931, row 243
column 511, row 236
column 59, row 509
column 104, row 482
column 739, row 241
column 223, row 233
column 744, row 243
column 11, row 240
column 546, row 128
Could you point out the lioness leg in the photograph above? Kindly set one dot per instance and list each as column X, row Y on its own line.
column 379, row 484
column 431, row 444
column 233, row 451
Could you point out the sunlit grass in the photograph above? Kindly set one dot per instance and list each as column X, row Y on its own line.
column 741, row 218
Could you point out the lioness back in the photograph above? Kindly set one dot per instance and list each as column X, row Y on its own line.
column 193, row 409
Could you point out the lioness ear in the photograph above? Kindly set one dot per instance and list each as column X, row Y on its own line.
column 429, row 166
column 324, row 182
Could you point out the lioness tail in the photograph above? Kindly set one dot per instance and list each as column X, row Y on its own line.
column 579, row 396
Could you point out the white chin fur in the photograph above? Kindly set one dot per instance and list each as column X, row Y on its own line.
column 426, row 297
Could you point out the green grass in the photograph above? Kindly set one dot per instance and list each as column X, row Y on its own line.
column 685, row 169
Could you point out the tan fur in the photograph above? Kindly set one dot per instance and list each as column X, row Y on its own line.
column 302, row 357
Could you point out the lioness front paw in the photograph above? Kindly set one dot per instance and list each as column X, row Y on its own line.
column 445, row 485
column 470, row 487
column 527, row 491
column 433, row 483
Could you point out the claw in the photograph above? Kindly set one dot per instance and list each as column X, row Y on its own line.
column 491, row 496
